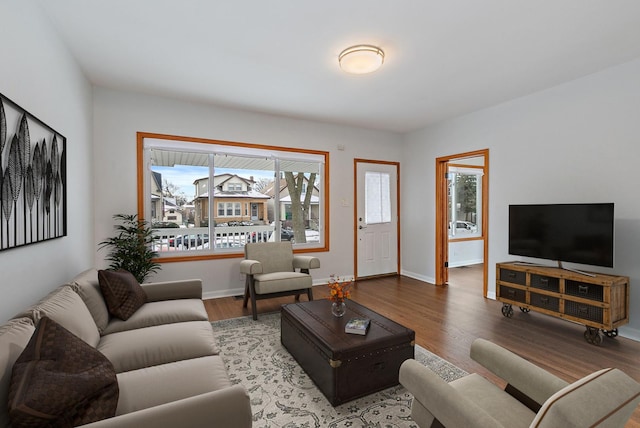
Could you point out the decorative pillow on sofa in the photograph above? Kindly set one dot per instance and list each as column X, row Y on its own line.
column 60, row 381
column 122, row 292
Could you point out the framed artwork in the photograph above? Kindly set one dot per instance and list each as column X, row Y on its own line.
column 33, row 182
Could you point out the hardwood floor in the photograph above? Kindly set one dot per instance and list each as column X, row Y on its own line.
column 447, row 319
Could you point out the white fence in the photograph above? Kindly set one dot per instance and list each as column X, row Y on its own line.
column 197, row 238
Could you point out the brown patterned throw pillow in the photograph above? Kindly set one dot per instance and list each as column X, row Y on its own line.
column 122, row 292
column 60, row 381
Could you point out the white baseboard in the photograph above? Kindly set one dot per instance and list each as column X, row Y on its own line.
column 629, row 333
column 222, row 293
column 239, row 291
column 418, row 276
column 465, row 263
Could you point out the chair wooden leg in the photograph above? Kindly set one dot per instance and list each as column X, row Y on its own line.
column 252, row 292
column 297, row 297
column 246, row 292
column 310, row 294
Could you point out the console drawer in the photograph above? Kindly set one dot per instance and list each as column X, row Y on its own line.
column 583, row 311
column 545, row 283
column 586, row 291
column 513, row 276
column 543, row 301
column 514, row 294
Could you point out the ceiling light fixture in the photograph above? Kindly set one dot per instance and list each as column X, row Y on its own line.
column 361, row 59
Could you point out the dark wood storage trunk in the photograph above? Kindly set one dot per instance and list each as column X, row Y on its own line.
column 345, row 366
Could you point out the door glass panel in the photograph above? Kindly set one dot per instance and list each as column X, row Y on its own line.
column 377, row 197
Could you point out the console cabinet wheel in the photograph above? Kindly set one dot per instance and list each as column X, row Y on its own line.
column 507, row 310
column 593, row 336
column 611, row 333
column 597, row 339
column 525, row 310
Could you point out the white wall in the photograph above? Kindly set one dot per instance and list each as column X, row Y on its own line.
column 464, row 253
column 39, row 74
column 119, row 115
column 577, row 142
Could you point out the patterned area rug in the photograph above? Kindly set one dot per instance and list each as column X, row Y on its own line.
column 282, row 395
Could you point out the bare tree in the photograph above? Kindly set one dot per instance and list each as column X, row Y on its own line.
column 261, row 184
column 299, row 209
column 173, row 191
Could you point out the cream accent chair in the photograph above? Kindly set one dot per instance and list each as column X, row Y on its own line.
column 270, row 269
column 533, row 397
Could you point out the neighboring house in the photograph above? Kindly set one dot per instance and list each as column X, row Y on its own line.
column 188, row 213
column 234, row 199
column 172, row 213
column 285, row 202
column 157, row 200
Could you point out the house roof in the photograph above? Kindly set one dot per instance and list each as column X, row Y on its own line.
column 243, row 195
column 270, row 189
column 442, row 58
column 249, row 181
column 170, row 202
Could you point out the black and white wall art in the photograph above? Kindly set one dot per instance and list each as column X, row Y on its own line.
column 33, row 189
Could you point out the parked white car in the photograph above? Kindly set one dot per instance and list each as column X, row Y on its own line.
column 466, row 226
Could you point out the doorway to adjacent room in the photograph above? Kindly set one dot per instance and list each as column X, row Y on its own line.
column 462, row 194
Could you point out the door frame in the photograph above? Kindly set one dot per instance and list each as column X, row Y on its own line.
column 357, row 161
column 442, row 235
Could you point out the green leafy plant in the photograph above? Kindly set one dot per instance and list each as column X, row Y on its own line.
column 132, row 248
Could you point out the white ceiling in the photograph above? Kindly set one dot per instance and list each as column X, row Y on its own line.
column 444, row 58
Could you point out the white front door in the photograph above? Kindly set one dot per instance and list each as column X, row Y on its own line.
column 376, row 218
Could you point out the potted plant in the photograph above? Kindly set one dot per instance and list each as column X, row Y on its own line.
column 132, row 248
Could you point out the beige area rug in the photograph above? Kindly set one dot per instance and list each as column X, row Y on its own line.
column 282, row 395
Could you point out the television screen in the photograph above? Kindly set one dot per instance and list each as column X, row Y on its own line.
column 578, row 233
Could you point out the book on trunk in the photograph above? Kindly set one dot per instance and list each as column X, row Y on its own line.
column 357, row 326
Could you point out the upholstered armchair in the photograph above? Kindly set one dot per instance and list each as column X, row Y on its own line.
column 272, row 270
column 533, row 397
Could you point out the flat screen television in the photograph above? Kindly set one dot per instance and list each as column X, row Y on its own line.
column 577, row 233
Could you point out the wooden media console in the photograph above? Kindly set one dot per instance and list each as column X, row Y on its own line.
column 598, row 301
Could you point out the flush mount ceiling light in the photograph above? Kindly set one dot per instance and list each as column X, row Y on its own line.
column 361, row 59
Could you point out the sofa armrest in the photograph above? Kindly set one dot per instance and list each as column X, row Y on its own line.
column 250, row 267
column 437, row 399
column 305, row 262
column 228, row 407
column 529, row 379
column 171, row 290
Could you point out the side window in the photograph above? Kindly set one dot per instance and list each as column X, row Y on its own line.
column 465, row 202
column 254, row 193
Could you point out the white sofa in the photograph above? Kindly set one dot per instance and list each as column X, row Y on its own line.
column 166, row 361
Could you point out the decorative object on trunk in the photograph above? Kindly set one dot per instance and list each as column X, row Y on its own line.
column 338, row 293
column 133, row 248
column 33, row 182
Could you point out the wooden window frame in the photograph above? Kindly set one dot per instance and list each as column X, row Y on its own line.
column 325, row 205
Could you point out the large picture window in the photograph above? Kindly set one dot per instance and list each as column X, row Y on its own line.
column 222, row 195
